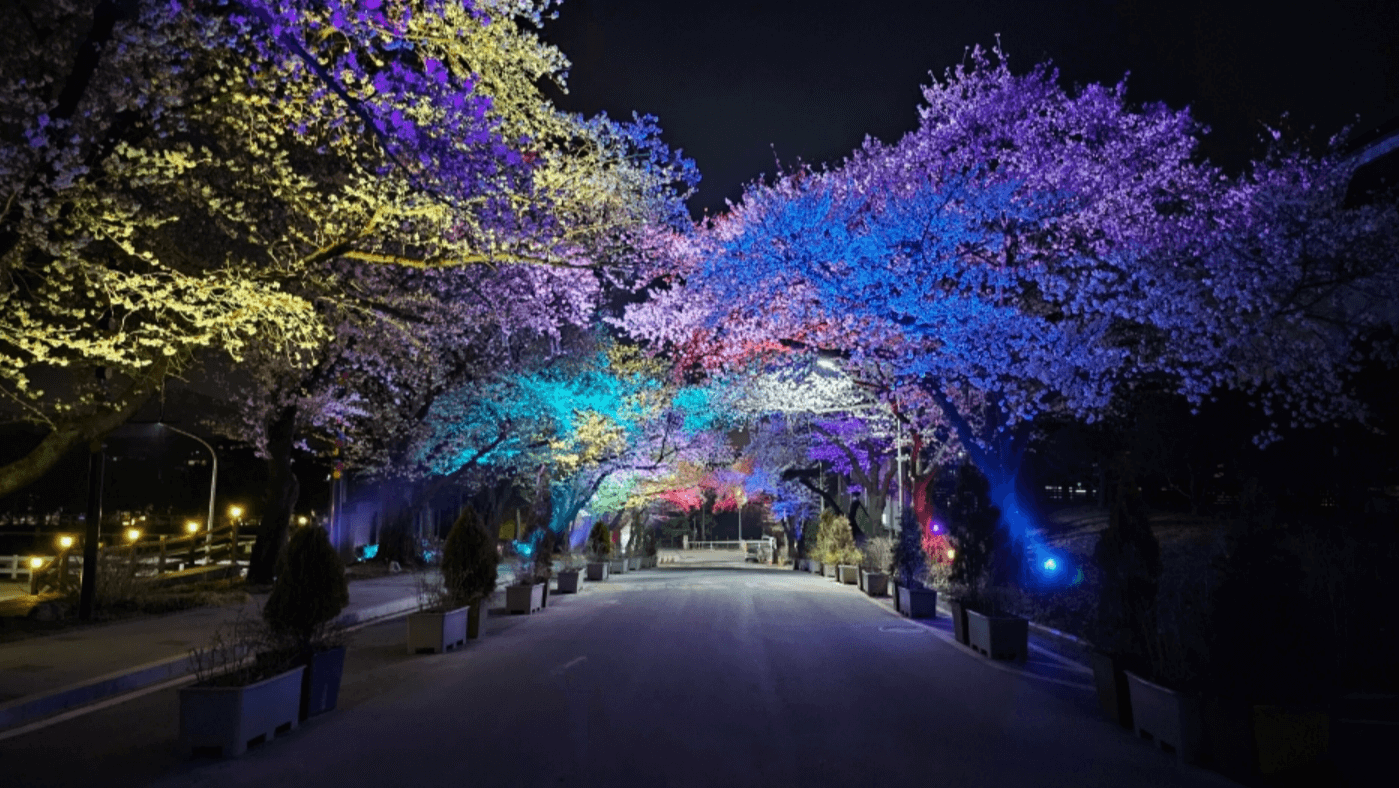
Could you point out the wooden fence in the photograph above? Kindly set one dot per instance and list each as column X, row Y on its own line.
column 152, row 557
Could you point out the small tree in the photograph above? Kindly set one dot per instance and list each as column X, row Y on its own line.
column 837, row 542
column 309, row 592
column 600, row 541
column 468, row 561
column 974, row 526
column 1129, row 558
column 910, row 562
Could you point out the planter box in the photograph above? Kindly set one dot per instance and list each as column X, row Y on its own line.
column 959, row 621
column 917, row 602
column 1168, row 718
column 1290, row 741
column 597, row 570
column 633, row 564
column 568, row 581
column 437, row 632
column 876, row 583
column 999, row 637
column 228, row 718
column 1111, row 679
column 524, row 599
column 828, row 570
column 320, row 684
column 617, row 565
column 849, row 575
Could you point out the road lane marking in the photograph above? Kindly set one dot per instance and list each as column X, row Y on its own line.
column 560, row 669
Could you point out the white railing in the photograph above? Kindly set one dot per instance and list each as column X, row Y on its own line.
column 16, row 566
column 734, row 544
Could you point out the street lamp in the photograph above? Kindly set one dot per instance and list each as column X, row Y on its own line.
column 213, row 474
column 235, row 512
column 191, row 526
column 132, row 534
column 302, row 520
column 65, row 541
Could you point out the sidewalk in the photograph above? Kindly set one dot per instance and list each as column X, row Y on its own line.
column 43, row 676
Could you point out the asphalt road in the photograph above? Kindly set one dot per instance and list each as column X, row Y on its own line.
column 670, row 677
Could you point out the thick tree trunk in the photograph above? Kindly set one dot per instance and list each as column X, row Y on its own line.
column 279, row 501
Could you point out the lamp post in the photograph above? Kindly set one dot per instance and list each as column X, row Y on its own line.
column 213, row 475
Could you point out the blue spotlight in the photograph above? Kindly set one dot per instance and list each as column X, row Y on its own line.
column 1050, row 565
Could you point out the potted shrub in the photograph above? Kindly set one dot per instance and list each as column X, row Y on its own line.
column 1268, row 678
column 452, row 605
column 526, row 594
column 571, row 575
column 238, row 699
column 838, row 551
column 974, row 528
column 307, row 595
column 878, row 557
column 910, row 566
column 1128, row 558
column 599, row 551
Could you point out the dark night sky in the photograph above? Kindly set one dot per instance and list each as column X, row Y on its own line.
column 732, row 80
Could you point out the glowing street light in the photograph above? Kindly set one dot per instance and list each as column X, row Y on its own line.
column 1050, row 565
column 65, row 541
column 951, row 554
column 132, row 534
column 302, row 520
column 192, row 526
column 36, row 563
column 235, row 512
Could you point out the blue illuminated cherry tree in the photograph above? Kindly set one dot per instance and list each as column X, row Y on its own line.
column 1031, row 251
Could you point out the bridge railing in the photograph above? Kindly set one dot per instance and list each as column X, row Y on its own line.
column 149, row 557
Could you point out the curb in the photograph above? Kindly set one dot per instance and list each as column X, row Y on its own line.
column 947, row 612
column 27, row 710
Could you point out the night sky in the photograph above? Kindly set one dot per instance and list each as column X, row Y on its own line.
column 734, row 81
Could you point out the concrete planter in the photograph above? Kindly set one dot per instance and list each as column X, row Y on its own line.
column 917, row 602
column 568, row 581
column 320, row 684
column 524, row 599
column 617, row 565
column 999, row 637
column 597, row 571
column 434, row 632
column 828, row 570
column 876, row 583
column 1111, row 679
column 847, row 574
column 1170, row 719
column 633, row 563
column 228, row 718
column 959, row 621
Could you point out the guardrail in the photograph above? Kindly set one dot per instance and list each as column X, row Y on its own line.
column 145, row 558
column 16, row 566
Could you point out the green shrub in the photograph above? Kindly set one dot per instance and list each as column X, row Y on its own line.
column 310, row 591
column 600, row 541
column 836, row 543
column 468, row 561
column 975, row 528
column 910, row 562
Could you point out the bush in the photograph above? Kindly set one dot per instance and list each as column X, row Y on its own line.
column 600, row 541
column 310, row 591
column 836, row 542
column 974, row 526
column 878, row 554
column 910, row 562
column 1128, row 558
column 468, row 561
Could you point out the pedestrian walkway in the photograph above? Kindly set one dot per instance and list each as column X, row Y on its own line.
column 43, row 676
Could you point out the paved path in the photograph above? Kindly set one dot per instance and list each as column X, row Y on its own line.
column 43, row 675
column 668, row 677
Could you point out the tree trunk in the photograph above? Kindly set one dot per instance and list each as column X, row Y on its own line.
column 278, row 502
